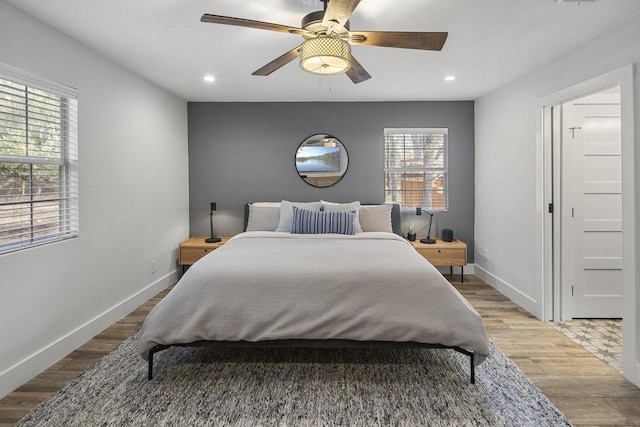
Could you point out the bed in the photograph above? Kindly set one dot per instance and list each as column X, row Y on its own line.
column 282, row 288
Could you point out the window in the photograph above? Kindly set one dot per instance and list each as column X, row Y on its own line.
column 415, row 168
column 38, row 161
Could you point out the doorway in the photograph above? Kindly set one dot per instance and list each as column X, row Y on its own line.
column 557, row 299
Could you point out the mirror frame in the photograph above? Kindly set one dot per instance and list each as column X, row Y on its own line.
column 314, row 181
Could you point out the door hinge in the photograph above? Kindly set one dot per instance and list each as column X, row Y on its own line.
column 573, row 211
column 550, row 208
column 571, row 290
column 573, row 131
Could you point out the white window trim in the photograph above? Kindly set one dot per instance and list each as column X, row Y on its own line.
column 445, row 169
column 69, row 192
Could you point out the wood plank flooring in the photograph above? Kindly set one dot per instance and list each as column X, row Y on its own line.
column 585, row 389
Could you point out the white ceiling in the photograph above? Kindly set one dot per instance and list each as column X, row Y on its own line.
column 491, row 42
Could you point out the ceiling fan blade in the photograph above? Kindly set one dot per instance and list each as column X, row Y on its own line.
column 357, row 73
column 280, row 61
column 406, row 40
column 239, row 22
column 337, row 14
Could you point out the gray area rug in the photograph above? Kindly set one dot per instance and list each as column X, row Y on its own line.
column 298, row 387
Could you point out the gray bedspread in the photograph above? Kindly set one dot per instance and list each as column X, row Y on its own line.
column 271, row 286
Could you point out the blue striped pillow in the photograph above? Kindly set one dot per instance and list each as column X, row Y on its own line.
column 322, row 222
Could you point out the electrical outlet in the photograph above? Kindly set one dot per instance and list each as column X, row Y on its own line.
column 154, row 264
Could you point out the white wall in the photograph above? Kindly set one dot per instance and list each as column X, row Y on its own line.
column 133, row 174
column 508, row 206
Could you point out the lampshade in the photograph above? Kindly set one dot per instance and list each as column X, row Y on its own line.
column 325, row 55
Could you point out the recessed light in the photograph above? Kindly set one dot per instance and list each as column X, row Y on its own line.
column 209, row 78
column 450, row 78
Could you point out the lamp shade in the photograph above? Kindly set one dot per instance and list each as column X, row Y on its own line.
column 325, row 55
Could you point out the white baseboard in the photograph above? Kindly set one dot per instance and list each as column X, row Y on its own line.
column 523, row 300
column 31, row 366
column 633, row 377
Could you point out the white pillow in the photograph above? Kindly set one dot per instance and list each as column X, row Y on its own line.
column 286, row 213
column 353, row 206
column 376, row 218
column 266, row 204
column 263, row 218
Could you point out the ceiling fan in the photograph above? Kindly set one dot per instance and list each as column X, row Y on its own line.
column 326, row 48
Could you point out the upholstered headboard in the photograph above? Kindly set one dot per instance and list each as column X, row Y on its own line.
column 396, row 223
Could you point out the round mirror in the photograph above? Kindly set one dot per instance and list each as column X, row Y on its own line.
column 321, row 160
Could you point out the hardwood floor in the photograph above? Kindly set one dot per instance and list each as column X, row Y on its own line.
column 585, row 389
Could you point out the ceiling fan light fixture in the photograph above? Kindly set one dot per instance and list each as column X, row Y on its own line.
column 325, row 55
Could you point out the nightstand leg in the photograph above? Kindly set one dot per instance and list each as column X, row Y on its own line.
column 462, row 274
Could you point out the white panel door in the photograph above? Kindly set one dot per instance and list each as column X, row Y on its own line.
column 597, row 213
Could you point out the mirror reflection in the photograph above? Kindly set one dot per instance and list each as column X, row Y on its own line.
column 321, row 160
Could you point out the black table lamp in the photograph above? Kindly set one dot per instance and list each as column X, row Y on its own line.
column 213, row 238
column 428, row 240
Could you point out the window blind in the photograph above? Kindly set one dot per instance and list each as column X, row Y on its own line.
column 38, row 162
column 415, row 168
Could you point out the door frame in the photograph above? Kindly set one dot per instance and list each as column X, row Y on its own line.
column 548, row 129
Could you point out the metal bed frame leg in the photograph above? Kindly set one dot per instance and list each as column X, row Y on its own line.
column 150, row 372
column 473, row 370
column 472, row 366
column 153, row 351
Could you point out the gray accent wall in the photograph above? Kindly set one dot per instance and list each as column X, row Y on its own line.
column 244, row 152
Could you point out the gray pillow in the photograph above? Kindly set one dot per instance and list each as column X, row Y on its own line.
column 286, row 213
column 337, row 207
column 263, row 218
column 376, row 218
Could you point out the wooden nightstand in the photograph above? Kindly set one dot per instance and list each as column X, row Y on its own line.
column 194, row 248
column 445, row 254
